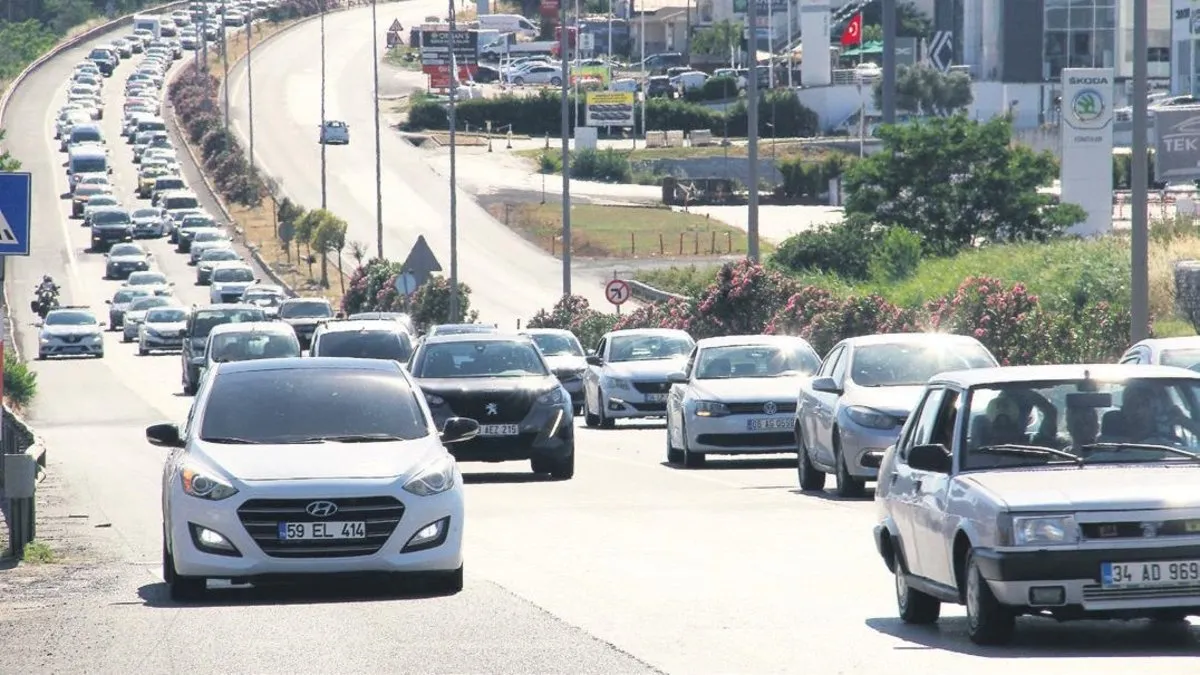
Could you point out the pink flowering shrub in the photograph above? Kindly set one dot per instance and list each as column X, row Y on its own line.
column 1006, row 319
column 818, row 316
column 573, row 313
column 741, row 301
column 669, row 314
column 369, row 286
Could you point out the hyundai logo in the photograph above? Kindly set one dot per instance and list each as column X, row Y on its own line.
column 321, row 509
column 770, row 408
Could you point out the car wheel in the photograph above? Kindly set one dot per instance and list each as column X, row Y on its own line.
column 848, row 486
column 914, row 606
column 988, row 622
column 674, row 454
column 519, row 81
column 691, row 460
column 559, row 469
column 142, row 351
column 605, row 421
column 556, row 82
column 41, row 356
column 189, row 389
column 811, row 479
column 126, row 339
column 181, row 588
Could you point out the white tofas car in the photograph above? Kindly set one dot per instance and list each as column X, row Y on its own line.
column 229, row 280
column 627, row 377
column 737, row 395
column 310, row 466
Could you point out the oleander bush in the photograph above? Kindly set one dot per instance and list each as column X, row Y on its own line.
column 20, row 381
column 573, row 313
column 373, row 289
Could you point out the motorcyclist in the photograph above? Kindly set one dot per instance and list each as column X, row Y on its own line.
column 46, row 285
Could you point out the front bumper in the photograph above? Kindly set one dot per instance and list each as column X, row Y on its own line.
column 574, row 387
column 223, row 518
column 102, row 238
column 546, row 432
column 149, row 340
column 148, row 230
column 633, row 404
column 122, row 271
column 859, row 442
column 60, row 347
column 1012, row 577
column 732, row 434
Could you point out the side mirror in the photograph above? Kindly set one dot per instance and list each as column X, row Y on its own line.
column 934, row 458
column 103, row 324
column 33, row 306
column 38, row 324
column 459, row 429
column 165, row 435
column 594, row 360
column 826, row 385
column 677, row 378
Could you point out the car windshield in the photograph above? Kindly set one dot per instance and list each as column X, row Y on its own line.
column 166, row 315
column 147, row 213
column 557, row 344
column 206, row 320
column 175, row 203
column 150, row 303
column 126, row 250
column 366, row 344
column 299, row 404
column 113, row 217
column 306, row 309
column 1181, row 358
column 70, row 319
column 234, row 274
column 89, row 164
column 648, row 347
column 262, row 299
column 85, row 135
column 911, row 364
column 210, row 236
column 1031, row 423
column 246, row 346
column 147, row 279
column 129, row 295
column 197, row 221
column 485, row 358
column 736, row 361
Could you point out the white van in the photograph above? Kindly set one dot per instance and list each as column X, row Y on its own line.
column 148, row 22
column 509, row 23
column 87, row 160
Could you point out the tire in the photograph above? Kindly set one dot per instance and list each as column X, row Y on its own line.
column 605, row 421
column 556, row 82
column 519, row 81
column 810, row 478
column 913, row 606
column 848, row 487
column 564, row 469
column 142, row 351
column 189, row 388
column 988, row 622
column 592, row 421
column 181, row 588
column 577, row 411
column 691, row 460
column 674, row 455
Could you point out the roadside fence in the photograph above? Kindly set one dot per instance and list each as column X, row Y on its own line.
column 23, row 457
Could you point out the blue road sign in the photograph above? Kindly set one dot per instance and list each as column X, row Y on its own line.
column 16, row 211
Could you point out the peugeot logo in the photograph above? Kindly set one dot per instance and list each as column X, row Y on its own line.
column 770, row 408
column 492, row 409
column 321, row 509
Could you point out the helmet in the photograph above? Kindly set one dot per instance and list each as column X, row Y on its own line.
column 46, row 278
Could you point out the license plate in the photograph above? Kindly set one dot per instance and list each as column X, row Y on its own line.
column 499, row 430
column 1150, row 574
column 656, row 398
column 323, row 530
column 761, row 423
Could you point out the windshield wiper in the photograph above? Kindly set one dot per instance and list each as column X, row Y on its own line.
column 230, row 440
column 1142, row 446
column 1027, row 451
column 357, row 438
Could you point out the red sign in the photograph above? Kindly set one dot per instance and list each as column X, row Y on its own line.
column 439, row 76
column 549, row 8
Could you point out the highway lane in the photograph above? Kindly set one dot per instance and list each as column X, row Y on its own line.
column 510, row 277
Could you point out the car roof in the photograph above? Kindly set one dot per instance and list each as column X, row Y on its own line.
column 889, row 338
column 231, row 264
column 88, row 151
column 477, row 337
column 378, row 325
column 225, row 306
column 311, row 363
column 110, row 209
column 977, row 377
column 307, row 299
column 265, row 288
column 1157, row 344
column 546, row 331
column 61, row 310
column 672, row 332
column 735, row 340
column 273, row 327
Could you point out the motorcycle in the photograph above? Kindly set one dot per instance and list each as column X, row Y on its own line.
column 46, row 301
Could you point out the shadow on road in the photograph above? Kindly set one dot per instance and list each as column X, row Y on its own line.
column 380, row 589
column 714, row 463
column 1044, row 638
column 496, row 477
column 868, row 495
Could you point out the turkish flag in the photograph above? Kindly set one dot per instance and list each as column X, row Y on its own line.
column 852, row 35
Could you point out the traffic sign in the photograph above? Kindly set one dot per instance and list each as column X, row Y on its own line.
column 396, row 27
column 406, row 283
column 421, row 262
column 617, row 291
column 16, row 204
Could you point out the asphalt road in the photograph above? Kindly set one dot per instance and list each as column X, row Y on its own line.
column 631, row 567
column 510, row 278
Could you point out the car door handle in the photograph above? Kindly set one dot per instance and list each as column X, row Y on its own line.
column 917, row 484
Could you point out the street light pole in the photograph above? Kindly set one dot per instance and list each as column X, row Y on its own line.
column 752, row 131
column 250, row 82
column 566, row 146
column 1139, row 283
column 889, row 61
column 324, row 190
column 225, row 68
column 454, row 311
column 378, row 150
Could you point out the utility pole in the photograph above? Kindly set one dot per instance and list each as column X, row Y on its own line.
column 454, row 311
column 225, row 68
column 566, row 145
column 203, row 35
column 1139, row 282
column 378, row 151
column 250, row 82
column 324, row 186
column 889, row 61
column 752, row 130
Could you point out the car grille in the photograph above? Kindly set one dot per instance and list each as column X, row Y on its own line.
column 766, row 440
column 71, row 338
column 653, row 387
column 1097, row 593
column 649, row 407
column 261, row 518
column 757, row 408
column 511, row 407
column 230, row 297
column 1135, row 530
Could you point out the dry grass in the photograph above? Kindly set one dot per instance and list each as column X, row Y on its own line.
column 622, row 231
column 781, row 150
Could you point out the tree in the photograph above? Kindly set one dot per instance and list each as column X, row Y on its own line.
column 953, row 180
column 910, row 20
column 720, row 39
column 306, row 228
column 329, row 236
column 928, row 92
column 7, row 161
column 289, row 214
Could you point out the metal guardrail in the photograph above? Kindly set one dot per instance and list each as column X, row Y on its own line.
column 648, row 293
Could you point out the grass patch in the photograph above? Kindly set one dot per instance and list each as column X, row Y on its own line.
column 782, row 150
column 600, row 231
column 404, row 58
column 38, row 553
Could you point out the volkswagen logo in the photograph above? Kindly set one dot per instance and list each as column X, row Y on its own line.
column 770, row 408
column 321, row 509
column 492, row 409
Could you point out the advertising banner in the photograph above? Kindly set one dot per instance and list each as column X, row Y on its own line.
column 437, row 45
column 439, row 76
column 814, row 25
column 1177, row 144
column 609, row 109
column 1087, row 145
column 599, row 74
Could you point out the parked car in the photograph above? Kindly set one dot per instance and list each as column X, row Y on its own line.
column 1183, row 352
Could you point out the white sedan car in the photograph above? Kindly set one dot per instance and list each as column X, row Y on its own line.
column 627, row 376
column 737, row 395
column 310, row 466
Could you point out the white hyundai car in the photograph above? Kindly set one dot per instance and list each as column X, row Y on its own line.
column 310, row 466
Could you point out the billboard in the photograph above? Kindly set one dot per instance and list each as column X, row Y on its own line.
column 438, row 45
column 439, row 76
column 609, row 109
column 1177, row 143
column 1087, row 145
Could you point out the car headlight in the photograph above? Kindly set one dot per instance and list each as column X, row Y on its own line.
column 434, row 400
column 95, row 338
column 870, row 418
column 711, row 409
column 203, row 484
column 434, row 478
column 1044, row 530
column 45, row 340
column 616, row 383
column 554, row 396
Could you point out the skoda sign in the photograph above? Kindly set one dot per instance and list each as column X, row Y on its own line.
column 1087, row 145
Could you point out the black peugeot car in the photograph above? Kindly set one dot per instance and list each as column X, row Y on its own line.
column 303, row 315
column 503, row 382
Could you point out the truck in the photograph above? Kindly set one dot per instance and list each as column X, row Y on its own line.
column 148, row 22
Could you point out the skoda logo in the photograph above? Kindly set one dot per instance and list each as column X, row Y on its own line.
column 770, row 408
column 1087, row 106
column 492, row 409
column 321, row 509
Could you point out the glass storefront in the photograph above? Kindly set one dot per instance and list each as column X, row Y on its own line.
column 1079, row 34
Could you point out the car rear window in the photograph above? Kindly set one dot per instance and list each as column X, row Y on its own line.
column 372, row 344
